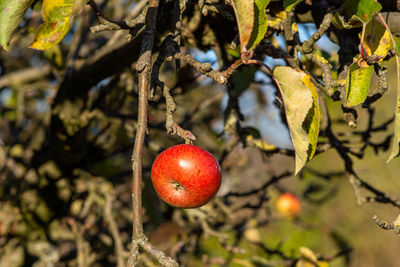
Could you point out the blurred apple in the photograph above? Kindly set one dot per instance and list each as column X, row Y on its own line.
column 288, row 205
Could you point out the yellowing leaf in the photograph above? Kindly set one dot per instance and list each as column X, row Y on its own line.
column 357, row 84
column 11, row 14
column 377, row 39
column 322, row 264
column 252, row 22
column 311, row 122
column 244, row 12
column 307, row 254
column 58, row 16
column 302, row 111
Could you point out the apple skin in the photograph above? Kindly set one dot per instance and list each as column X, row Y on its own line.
column 186, row 176
column 288, row 205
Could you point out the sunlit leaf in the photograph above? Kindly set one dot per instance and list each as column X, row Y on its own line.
column 307, row 254
column 260, row 23
column 302, row 111
column 252, row 22
column 396, row 143
column 322, row 264
column 11, row 14
column 361, row 10
column 290, row 4
column 357, row 83
column 244, row 12
column 58, row 16
column 377, row 39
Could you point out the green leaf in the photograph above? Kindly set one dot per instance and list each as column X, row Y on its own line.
column 58, row 16
column 244, row 12
column 377, row 39
column 361, row 10
column 252, row 22
column 397, row 41
column 302, row 111
column 242, row 78
column 260, row 23
column 396, row 142
column 234, row 52
column 357, row 84
column 290, row 4
column 11, row 14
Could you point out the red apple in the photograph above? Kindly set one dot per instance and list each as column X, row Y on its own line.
column 186, row 176
column 288, row 205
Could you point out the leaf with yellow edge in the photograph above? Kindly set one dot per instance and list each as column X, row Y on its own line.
column 58, row 16
column 357, row 83
column 377, row 39
column 252, row 22
column 302, row 111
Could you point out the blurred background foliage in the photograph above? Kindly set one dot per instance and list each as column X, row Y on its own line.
column 67, row 127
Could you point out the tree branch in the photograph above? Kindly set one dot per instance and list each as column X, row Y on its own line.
column 143, row 67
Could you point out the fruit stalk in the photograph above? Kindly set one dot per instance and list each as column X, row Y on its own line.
column 143, row 67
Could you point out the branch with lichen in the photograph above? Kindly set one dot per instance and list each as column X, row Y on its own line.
column 380, row 196
column 395, row 225
column 307, row 50
column 107, row 25
column 288, row 30
column 171, row 126
column 381, row 89
column 203, row 68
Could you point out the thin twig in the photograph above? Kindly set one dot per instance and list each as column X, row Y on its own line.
column 106, row 24
column 170, row 124
column 113, row 227
column 203, row 68
column 307, row 50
